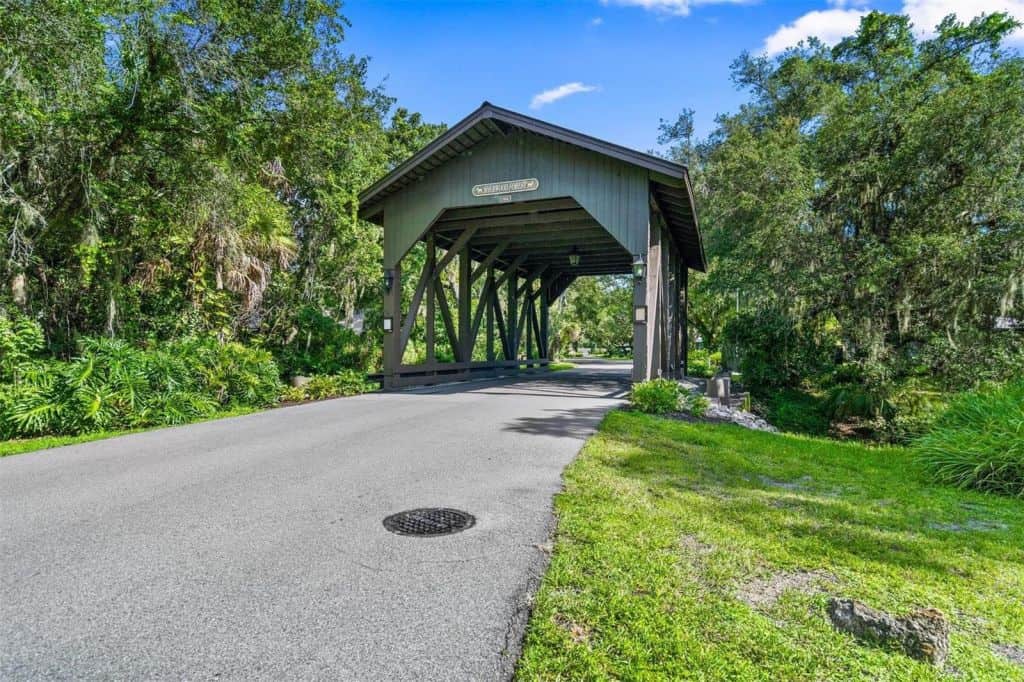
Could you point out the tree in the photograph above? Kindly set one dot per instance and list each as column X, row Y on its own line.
column 170, row 168
column 877, row 187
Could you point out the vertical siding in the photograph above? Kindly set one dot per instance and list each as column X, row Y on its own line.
column 613, row 192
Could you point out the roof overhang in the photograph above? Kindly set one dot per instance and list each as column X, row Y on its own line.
column 671, row 192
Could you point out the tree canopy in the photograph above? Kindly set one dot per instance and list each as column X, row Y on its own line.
column 873, row 192
column 179, row 167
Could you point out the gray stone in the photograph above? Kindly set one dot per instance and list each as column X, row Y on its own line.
column 299, row 381
column 923, row 635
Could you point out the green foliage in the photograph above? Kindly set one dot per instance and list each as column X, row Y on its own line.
column 694, row 404
column 323, row 386
column 596, row 313
column 324, row 346
column 978, row 442
column 655, row 396
column 20, row 339
column 795, row 410
column 703, row 362
column 869, row 196
column 775, row 350
column 184, row 169
column 112, row 385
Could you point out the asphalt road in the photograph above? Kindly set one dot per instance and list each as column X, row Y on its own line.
column 253, row 547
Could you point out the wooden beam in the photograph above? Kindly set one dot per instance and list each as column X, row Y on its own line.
column 512, row 268
column 499, row 319
column 485, row 266
column 465, row 303
column 431, row 265
column 489, row 303
column 517, row 208
column 414, row 307
column 577, row 214
column 446, row 317
column 478, row 315
column 537, row 272
column 456, row 246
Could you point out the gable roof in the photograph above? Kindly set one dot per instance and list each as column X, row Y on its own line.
column 670, row 182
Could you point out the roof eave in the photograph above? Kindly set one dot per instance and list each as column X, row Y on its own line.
column 666, row 169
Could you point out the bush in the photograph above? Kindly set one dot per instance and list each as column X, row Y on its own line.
column 324, row 386
column 20, row 339
column 774, row 351
column 656, row 396
column 978, row 441
column 322, row 346
column 703, row 363
column 694, row 404
column 114, row 385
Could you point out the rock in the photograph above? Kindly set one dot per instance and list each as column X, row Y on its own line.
column 923, row 635
column 299, row 381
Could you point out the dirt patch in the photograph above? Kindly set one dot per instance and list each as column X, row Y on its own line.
column 764, row 592
column 801, row 483
column 971, row 525
column 693, row 547
column 1011, row 652
column 579, row 633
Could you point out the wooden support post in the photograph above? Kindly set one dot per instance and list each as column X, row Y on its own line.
column 503, row 332
column 446, row 317
column 465, row 321
column 653, row 302
column 528, row 314
column 545, row 323
column 489, row 302
column 513, row 315
column 431, row 266
column 639, row 329
column 686, row 319
column 393, row 340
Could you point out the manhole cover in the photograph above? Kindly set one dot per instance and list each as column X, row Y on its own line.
column 430, row 521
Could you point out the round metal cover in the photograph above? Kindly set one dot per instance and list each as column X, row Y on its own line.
column 429, row 521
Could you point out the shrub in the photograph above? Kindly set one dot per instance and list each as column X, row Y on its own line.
column 236, row 374
column 114, row 385
column 349, row 382
column 656, row 396
column 694, row 404
column 978, row 441
column 774, row 351
column 321, row 345
column 20, row 338
column 703, row 363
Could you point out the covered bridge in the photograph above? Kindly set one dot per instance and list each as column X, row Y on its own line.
column 527, row 207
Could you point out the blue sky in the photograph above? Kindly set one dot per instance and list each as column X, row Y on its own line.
column 609, row 68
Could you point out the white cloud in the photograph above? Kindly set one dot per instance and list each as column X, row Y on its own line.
column 554, row 94
column 829, row 26
column 679, row 8
column 843, row 18
column 926, row 14
column 596, row 21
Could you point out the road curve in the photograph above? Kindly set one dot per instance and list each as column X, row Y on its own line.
column 253, row 547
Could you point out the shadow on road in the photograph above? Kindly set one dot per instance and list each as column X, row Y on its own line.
column 578, row 423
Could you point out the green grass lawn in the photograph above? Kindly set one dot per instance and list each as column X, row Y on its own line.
column 674, row 539
column 559, row 366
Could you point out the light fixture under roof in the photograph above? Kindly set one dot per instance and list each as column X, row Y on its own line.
column 574, row 256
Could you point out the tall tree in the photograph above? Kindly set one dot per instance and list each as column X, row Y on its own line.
column 878, row 186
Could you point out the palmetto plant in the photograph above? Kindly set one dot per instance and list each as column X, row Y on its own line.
column 112, row 384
